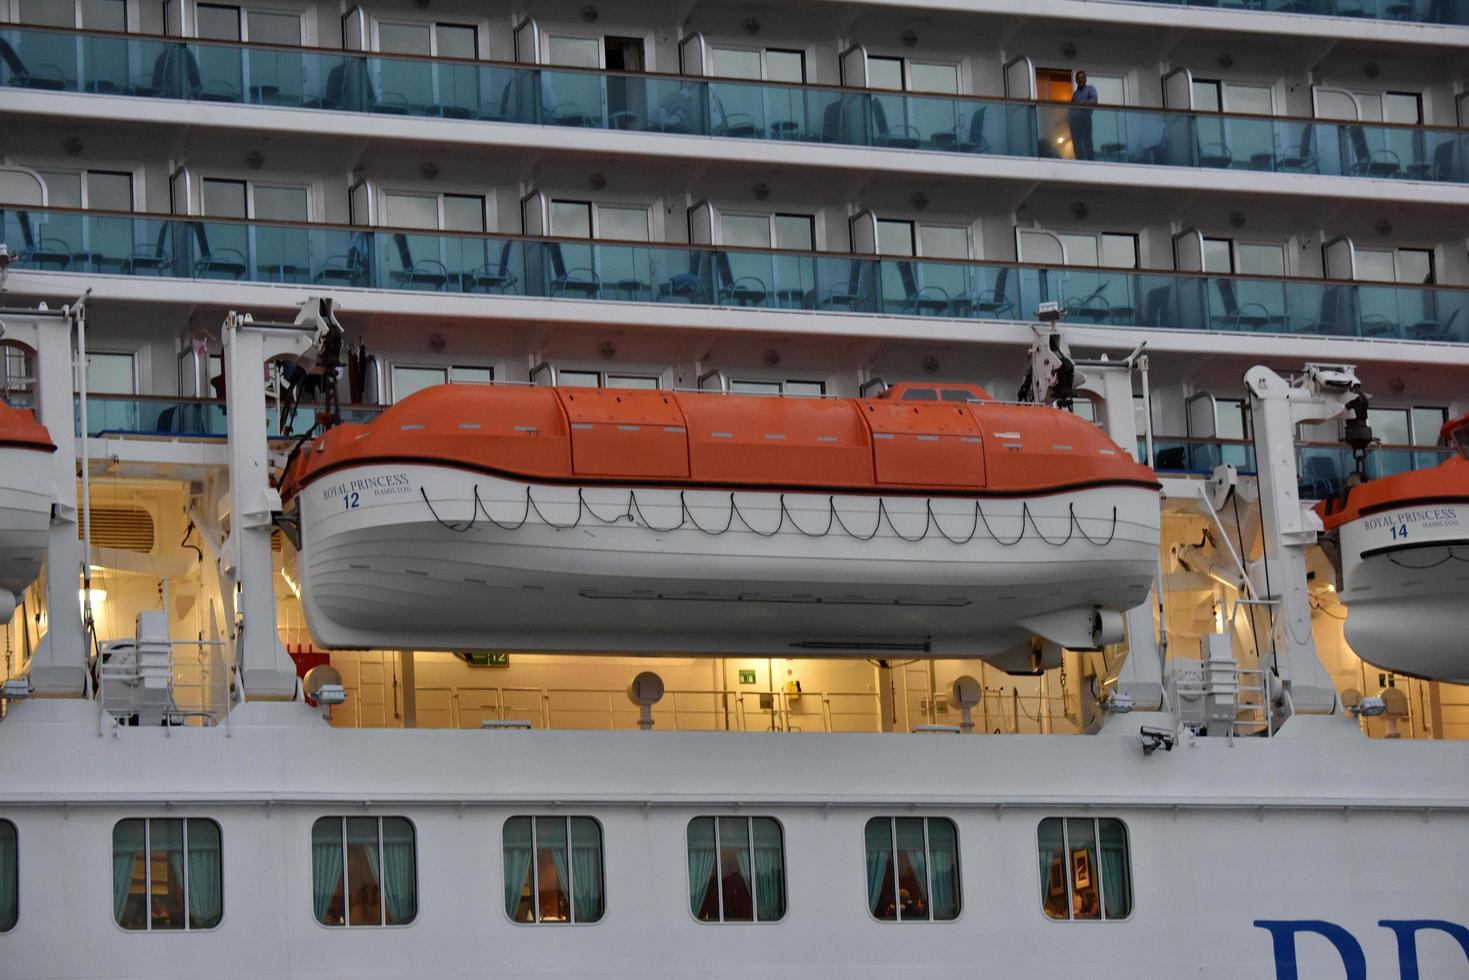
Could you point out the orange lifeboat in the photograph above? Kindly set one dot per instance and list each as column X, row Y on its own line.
column 1404, row 562
column 25, row 503
column 932, row 520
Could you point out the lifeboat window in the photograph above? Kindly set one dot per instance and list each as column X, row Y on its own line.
column 553, row 870
column 364, row 871
column 9, row 877
column 736, row 869
column 958, row 395
column 912, row 869
column 1085, row 869
column 920, row 395
column 167, row 874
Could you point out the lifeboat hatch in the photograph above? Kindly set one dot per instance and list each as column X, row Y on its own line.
column 927, row 444
column 625, row 433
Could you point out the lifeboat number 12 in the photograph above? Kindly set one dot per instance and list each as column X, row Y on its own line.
column 350, row 502
column 1398, row 533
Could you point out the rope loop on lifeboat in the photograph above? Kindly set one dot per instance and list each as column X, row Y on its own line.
column 633, row 513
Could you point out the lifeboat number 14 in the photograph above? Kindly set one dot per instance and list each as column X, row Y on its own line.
column 1399, row 531
column 351, row 500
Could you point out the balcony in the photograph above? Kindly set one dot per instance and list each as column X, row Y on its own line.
column 471, row 91
column 1449, row 12
column 331, row 256
column 148, row 416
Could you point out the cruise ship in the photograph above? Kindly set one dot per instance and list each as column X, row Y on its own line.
column 837, row 488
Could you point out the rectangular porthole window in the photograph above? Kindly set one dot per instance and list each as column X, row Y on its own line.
column 9, row 877
column 736, row 869
column 167, row 874
column 553, row 870
column 1085, row 869
column 364, row 871
column 912, row 869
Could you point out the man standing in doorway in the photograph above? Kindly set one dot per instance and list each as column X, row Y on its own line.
column 1080, row 115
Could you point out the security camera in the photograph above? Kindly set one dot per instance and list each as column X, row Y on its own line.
column 1153, row 739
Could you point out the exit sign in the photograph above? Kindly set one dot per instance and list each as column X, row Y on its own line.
column 747, row 677
column 486, row 659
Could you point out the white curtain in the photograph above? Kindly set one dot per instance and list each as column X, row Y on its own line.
column 127, row 848
column 769, row 871
column 586, row 870
column 701, row 862
column 400, row 885
column 517, row 865
column 326, row 866
column 205, row 891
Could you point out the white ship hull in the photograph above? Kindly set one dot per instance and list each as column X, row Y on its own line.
column 1405, row 582
column 438, row 558
column 25, row 517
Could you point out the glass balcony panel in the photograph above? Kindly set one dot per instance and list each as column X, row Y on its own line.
column 673, row 105
column 738, row 109
column 214, row 73
column 71, row 241
column 572, row 98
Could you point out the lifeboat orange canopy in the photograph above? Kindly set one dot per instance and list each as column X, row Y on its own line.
column 929, row 439
column 20, row 430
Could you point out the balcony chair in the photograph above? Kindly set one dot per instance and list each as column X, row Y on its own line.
column 994, row 304
column 1216, row 155
column 741, row 290
column 39, row 251
column 974, row 141
column 1376, row 325
column 229, row 261
column 1433, row 331
column 690, row 286
column 422, row 274
column 737, row 124
column 1367, row 162
column 1158, row 308
column 1337, row 316
column 52, row 78
column 851, row 295
column 899, row 137
column 920, row 300
column 349, row 268
column 1300, row 159
column 492, row 277
column 1237, row 316
column 150, row 258
column 1091, row 308
column 581, row 280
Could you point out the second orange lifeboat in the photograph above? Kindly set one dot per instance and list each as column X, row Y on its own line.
column 25, row 503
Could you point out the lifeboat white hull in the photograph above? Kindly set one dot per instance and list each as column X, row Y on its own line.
column 25, row 517
column 1405, row 582
column 430, row 557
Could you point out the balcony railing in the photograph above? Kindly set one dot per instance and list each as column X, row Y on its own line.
column 99, row 243
column 1452, row 12
column 192, row 418
column 301, row 78
column 1323, row 466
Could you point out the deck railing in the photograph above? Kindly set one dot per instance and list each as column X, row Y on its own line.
column 336, row 256
column 442, row 88
column 1449, row 12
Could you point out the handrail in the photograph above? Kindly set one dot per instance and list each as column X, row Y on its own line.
column 528, row 67
column 711, row 249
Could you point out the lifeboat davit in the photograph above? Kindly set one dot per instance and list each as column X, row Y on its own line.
column 932, row 521
column 1404, row 544
column 25, row 503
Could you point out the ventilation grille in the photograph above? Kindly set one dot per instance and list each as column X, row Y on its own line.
column 124, row 528
column 277, row 541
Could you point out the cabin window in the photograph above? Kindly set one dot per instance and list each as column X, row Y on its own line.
column 736, row 869
column 409, row 380
column 111, row 374
column 1085, row 869
column 364, row 871
column 553, row 870
column 9, row 877
column 167, row 874
column 912, row 869
column 597, row 379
